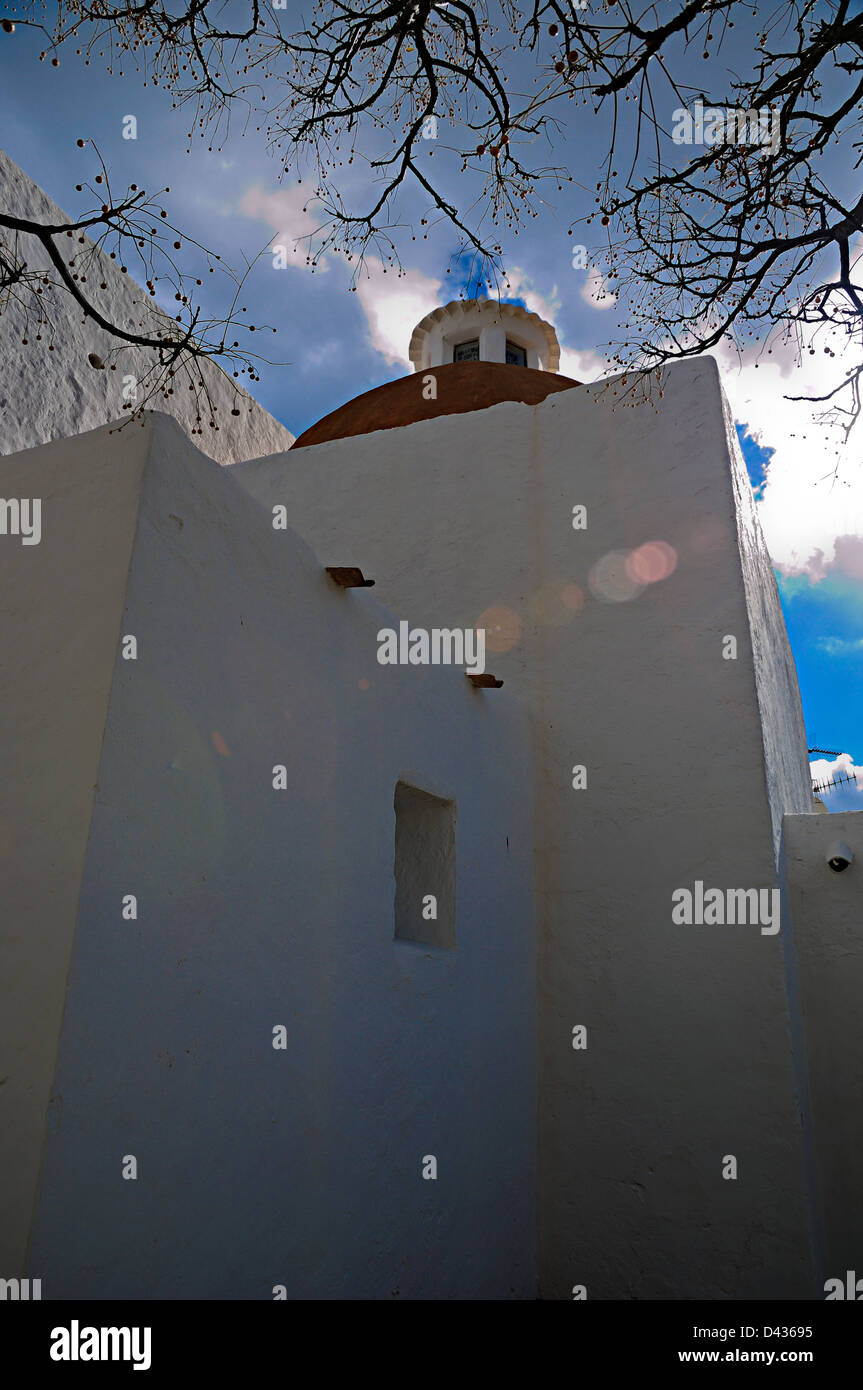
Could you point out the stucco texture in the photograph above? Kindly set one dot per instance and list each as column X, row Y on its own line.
column 47, row 395
column 61, row 603
column 469, row 518
column 825, row 914
column 259, row 907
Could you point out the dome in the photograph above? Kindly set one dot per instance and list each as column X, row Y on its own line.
column 459, row 387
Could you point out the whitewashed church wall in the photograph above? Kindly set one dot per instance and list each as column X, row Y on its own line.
column 688, row 1060
column 260, row 908
column 61, row 603
column 824, row 921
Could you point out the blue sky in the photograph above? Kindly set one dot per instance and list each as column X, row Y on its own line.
column 334, row 342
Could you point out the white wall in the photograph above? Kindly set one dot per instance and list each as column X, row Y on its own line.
column 259, row 907
column 689, row 1055
column 827, row 931
column 785, row 757
column 49, row 395
column 60, row 609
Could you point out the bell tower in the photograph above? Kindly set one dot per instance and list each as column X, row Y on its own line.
column 484, row 330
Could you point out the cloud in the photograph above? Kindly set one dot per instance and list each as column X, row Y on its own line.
column 585, row 365
column 811, row 501
column 848, row 556
column 597, row 292
column 286, row 213
column 848, row 796
column 840, row 646
column 519, row 285
column 812, row 521
column 393, row 305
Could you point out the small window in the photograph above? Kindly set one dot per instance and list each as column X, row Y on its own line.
column 424, row 868
column 516, row 356
column 466, row 352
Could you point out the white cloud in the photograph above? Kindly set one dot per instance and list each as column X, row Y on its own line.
column 812, row 522
column 585, row 365
column 597, row 292
column 847, row 796
column 839, row 646
column 393, row 305
column 286, row 213
column 518, row 285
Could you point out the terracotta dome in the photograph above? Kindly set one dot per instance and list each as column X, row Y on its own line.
column 461, row 387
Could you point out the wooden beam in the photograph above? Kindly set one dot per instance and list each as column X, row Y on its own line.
column 349, row 577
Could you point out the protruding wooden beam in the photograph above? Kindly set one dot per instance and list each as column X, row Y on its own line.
column 484, row 682
column 349, row 577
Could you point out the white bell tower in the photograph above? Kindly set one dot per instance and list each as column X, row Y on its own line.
column 484, row 330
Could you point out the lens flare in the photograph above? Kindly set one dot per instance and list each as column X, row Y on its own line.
column 556, row 603
column 572, row 597
column 502, row 628
column 610, row 580
column 651, row 562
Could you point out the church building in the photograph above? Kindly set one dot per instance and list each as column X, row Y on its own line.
column 412, row 882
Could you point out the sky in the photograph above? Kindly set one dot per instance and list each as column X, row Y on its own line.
column 337, row 337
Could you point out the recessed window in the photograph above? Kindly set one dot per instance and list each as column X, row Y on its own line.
column 424, row 868
column 516, row 356
column 466, row 352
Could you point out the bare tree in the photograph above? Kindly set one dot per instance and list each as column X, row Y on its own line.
column 718, row 240
column 744, row 235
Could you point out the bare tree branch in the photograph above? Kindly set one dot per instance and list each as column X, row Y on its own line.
column 718, row 240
